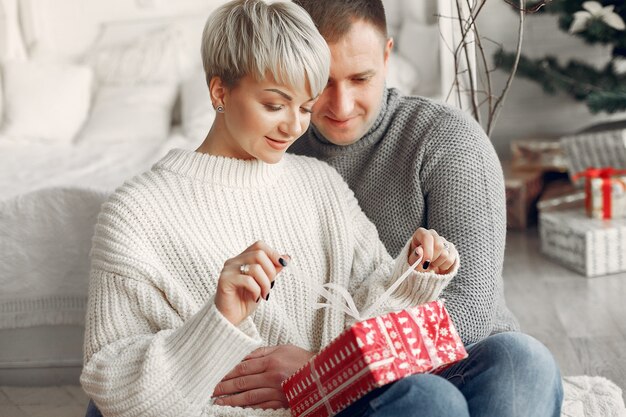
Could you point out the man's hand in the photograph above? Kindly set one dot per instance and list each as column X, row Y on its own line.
column 255, row 382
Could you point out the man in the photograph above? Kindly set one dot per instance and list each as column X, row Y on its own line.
column 415, row 163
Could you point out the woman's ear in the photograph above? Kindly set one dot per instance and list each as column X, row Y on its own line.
column 217, row 91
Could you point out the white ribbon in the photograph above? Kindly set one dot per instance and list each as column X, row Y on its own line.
column 320, row 388
column 341, row 299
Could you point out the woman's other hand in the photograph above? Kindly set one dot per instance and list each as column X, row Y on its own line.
column 439, row 255
column 256, row 381
column 247, row 278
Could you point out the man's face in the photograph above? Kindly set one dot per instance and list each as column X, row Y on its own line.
column 351, row 101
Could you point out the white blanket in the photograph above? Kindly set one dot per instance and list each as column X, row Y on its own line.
column 591, row 396
column 50, row 197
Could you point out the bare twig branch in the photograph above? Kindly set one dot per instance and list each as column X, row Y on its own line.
column 470, row 28
column 534, row 9
column 518, row 53
column 470, row 47
column 486, row 71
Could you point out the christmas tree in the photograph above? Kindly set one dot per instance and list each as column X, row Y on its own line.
column 596, row 22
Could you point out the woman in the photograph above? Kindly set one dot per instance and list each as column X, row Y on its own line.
column 171, row 311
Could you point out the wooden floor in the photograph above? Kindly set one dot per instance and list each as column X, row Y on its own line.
column 581, row 320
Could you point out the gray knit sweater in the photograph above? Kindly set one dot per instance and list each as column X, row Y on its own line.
column 426, row 164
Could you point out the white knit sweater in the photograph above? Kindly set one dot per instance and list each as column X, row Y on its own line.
column 155, row 345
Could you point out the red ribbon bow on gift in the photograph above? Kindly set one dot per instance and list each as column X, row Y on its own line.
column 606, row 174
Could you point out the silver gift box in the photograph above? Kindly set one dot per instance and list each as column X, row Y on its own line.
column 600, row 146
column 589, row 246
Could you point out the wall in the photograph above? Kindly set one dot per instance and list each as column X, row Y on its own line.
column 528, row 111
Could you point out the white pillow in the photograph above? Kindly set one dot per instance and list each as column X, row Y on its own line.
column 197, row 111
column 11, row 43
column 393, row 14
column 419, row 45
column 422, row 12
column 120, row 113
column 152, row 58
column 401, row 74
column 188, row 31
column 45, row 100
column 60, row 28
column 1, row 101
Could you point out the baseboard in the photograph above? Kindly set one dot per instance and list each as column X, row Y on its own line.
column 42, row 355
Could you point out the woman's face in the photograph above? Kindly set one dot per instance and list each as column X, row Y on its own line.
column 261, row 119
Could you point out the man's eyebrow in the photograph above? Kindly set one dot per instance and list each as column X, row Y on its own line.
column 282, row 93
column 367, row 73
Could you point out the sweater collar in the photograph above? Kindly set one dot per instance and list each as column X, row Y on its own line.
column 374, row 135
column 220, row 170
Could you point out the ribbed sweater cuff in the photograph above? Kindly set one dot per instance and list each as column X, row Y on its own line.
column 419, row 287
column 207, row 349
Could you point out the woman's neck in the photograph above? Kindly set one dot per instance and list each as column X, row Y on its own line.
column 218, row 143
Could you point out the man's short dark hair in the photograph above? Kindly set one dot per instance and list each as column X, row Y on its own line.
column 334, row 18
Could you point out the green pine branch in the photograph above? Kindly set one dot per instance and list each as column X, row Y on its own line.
column 601, row 89
column 597, row 32
column 608, row 101
column 581, row 81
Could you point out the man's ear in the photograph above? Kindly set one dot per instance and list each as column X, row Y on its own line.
column 217, row 91
column 387, row 52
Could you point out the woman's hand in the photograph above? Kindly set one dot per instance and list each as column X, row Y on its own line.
column 439, row 255
column 256, row 381
column 247, row 278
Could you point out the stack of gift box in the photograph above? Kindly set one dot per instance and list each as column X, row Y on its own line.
column 582, row 217
column 533, row 160
column 588, row 236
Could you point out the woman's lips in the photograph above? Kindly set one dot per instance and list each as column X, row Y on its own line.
column 279, row 145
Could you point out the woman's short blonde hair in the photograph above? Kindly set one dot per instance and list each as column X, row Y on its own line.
column 253, row 37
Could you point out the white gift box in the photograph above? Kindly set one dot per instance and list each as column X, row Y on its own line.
column 602, row 148
column 589, row 246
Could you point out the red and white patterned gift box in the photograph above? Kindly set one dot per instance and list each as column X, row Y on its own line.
column 372, row 353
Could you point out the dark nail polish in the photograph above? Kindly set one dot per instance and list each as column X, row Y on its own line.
column 272, row 284
column 267, row 297
column 257, row 300
column 426, row 264
column 282, row 261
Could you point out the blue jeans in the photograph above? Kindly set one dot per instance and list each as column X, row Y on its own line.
column 507, row 374
column 92, row 410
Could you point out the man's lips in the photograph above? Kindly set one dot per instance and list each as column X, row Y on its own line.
column 339, row 122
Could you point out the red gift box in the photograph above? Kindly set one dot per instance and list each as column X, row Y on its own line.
column 372, row 353
column 604, row 192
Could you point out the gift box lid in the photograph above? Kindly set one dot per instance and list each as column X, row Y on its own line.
column 577, row 221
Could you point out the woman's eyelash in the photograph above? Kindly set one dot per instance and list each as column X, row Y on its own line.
column 277, row 108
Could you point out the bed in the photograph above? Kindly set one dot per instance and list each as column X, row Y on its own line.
column 93, row 92
column 49, row 207
column 81, row 110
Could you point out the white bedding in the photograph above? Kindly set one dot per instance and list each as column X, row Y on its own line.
column 26, row 167
column 50, row 196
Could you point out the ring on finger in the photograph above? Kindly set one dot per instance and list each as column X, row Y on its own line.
column 244, row 269
column 446, row 245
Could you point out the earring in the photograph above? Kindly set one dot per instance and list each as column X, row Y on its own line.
column 220, row 109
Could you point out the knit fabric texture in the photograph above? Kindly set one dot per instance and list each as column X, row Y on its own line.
column 155, row 344
column 424, row 164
